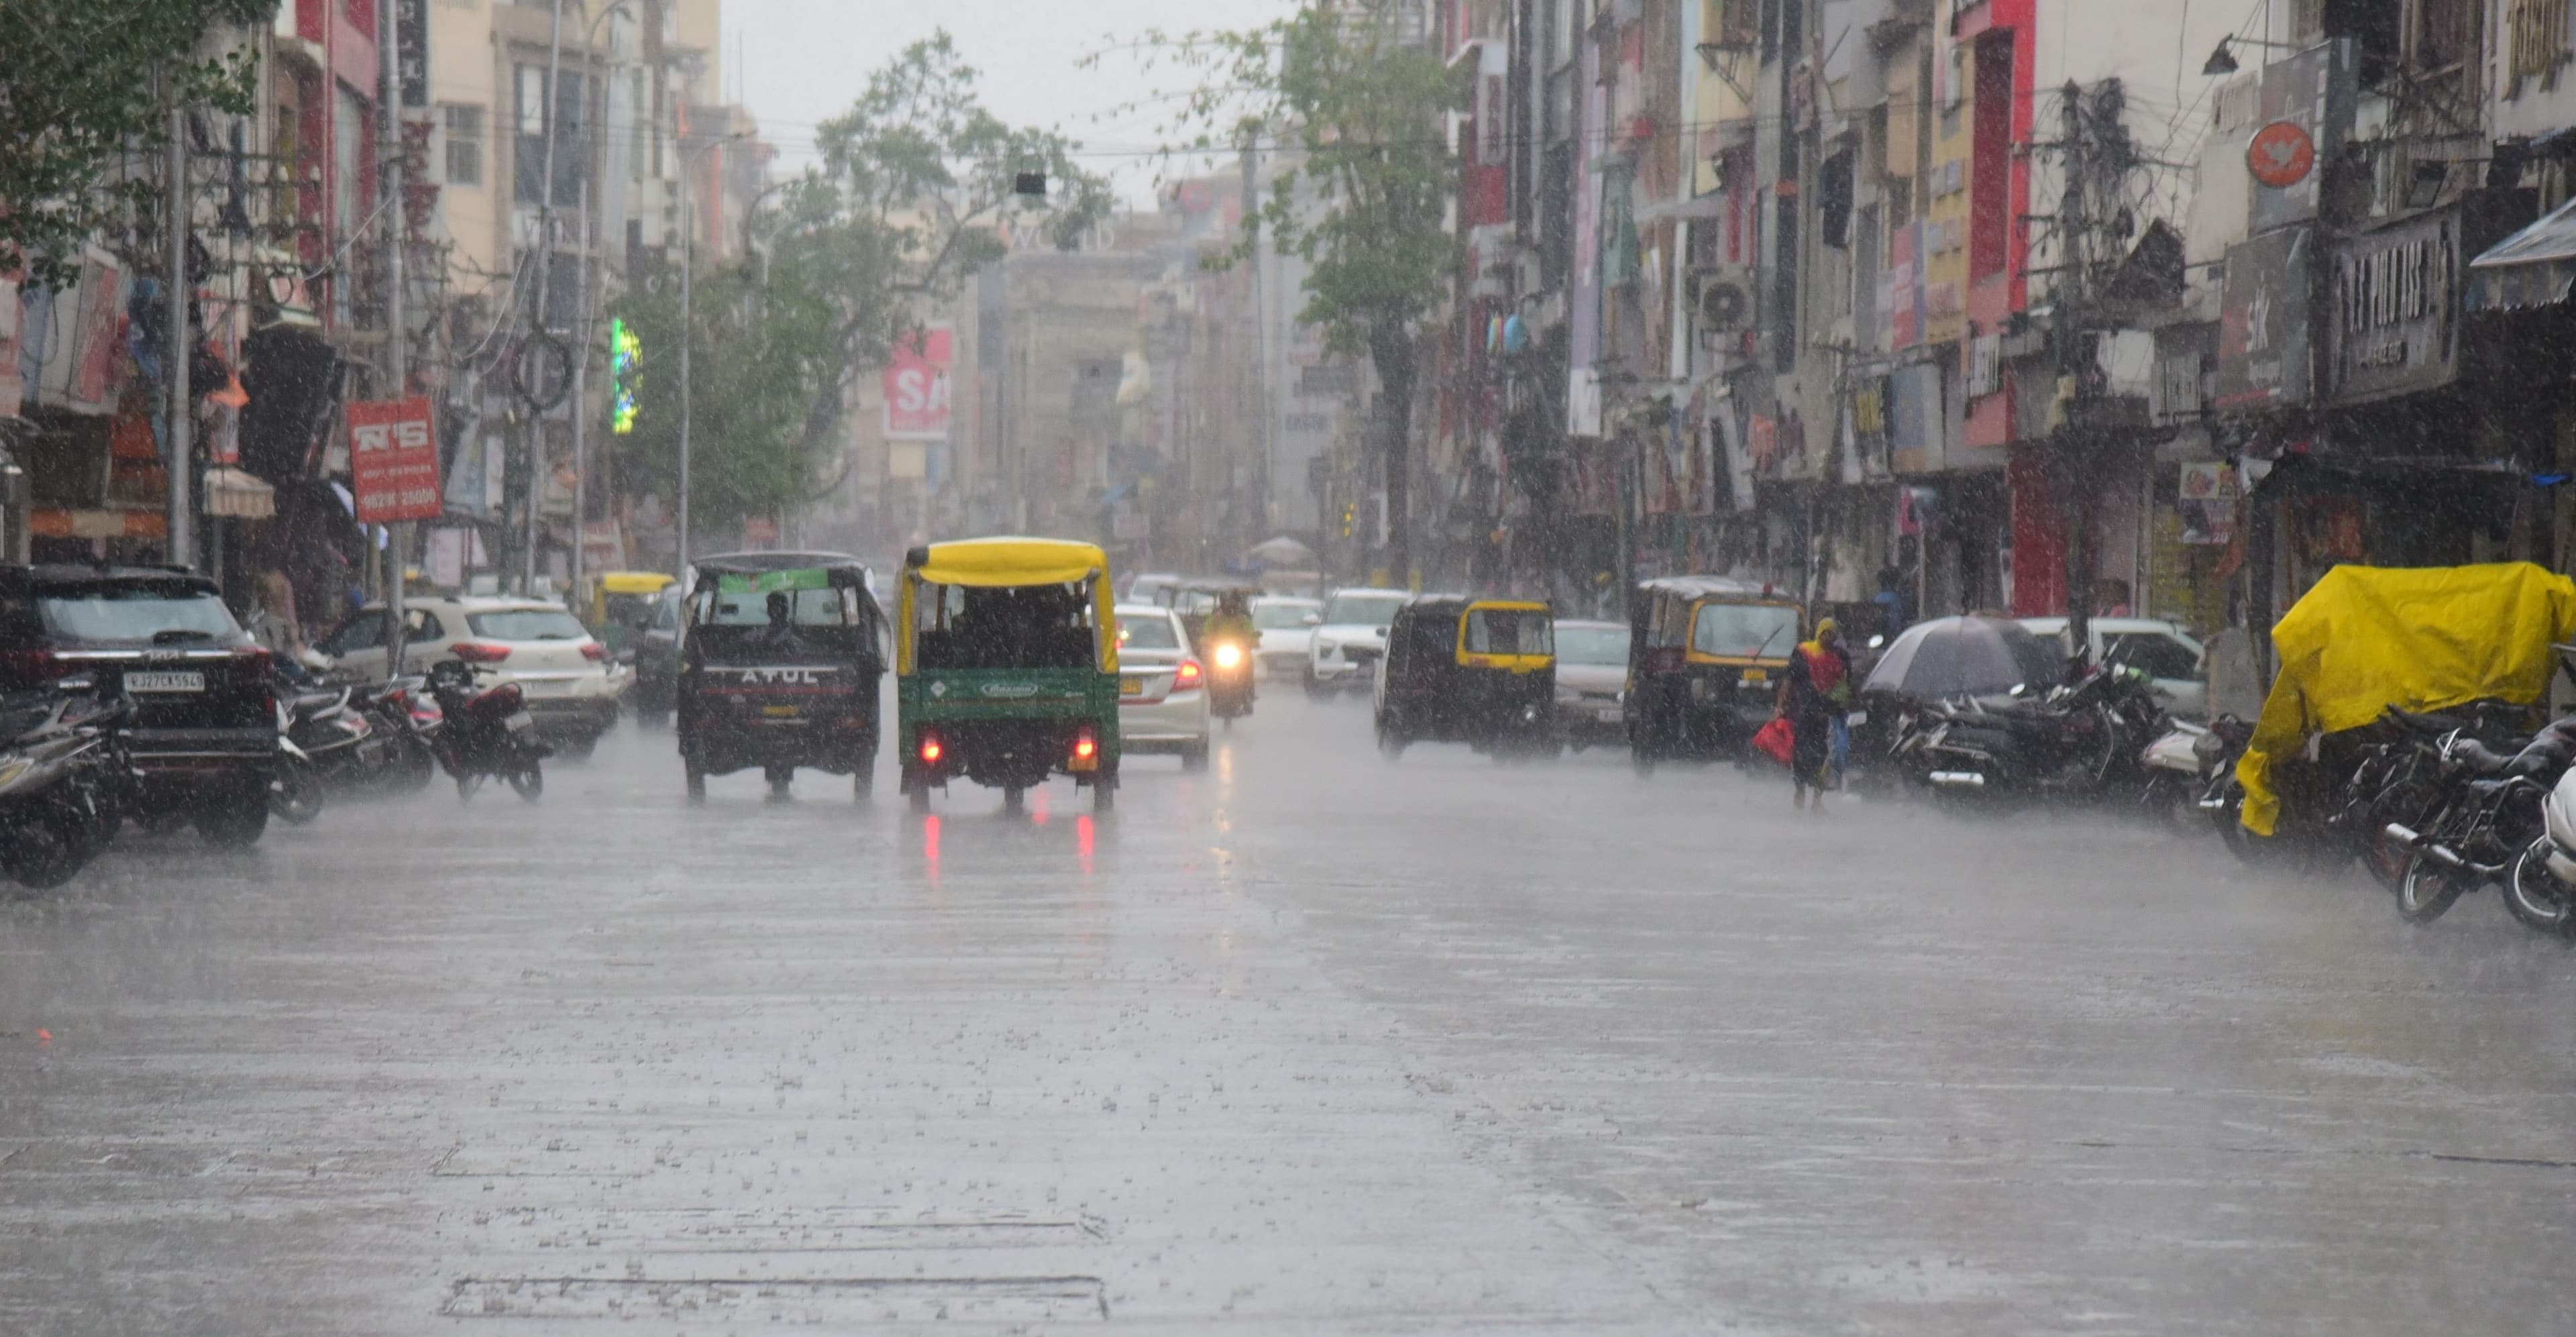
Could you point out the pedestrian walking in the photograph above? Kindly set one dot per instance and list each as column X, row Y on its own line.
column 1818, row 689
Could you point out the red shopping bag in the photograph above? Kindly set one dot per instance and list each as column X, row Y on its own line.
column 1775, row 741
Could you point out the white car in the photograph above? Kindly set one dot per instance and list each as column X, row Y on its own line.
column 1287, row 628
column 1162, row 687
column 571, row 683
column 1350, row 637
column 2168, row 653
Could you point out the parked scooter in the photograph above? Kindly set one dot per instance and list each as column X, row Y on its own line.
column 324, row 744
column 2493, row 810
column 62, row 771
column 487, row 732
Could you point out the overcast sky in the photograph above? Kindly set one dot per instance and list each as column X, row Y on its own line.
column 800, row 62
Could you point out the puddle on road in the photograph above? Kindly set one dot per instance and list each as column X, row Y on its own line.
column 848, row 1300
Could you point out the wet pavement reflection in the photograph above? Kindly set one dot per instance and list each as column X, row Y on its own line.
column 1308, row 1041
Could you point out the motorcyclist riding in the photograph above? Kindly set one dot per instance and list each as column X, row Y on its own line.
column 1228, row 639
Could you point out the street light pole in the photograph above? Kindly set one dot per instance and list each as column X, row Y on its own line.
column 545, row 270
column 397, row 347
column 583, row 324
column 178, row 548
column 688, row 329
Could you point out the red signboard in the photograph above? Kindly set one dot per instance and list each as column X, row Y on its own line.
column 2281, row 155
column 393, row 460
column 916, row 387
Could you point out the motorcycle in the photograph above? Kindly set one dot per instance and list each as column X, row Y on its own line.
column 2085, row 738
column 487, row 732
column 1229, row 678
column 2493, row 810
column 62, row 772
column 403, row 712
column 323, row 743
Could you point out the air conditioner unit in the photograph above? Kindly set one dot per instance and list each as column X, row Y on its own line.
column 1721, row 297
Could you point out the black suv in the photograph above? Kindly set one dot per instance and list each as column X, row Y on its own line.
column 204, row 738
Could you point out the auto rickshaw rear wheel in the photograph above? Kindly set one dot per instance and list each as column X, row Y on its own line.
column 782, row 779
column 697, row 785
column 864, row 783
column 1014, row 798
column 1104, row 792
column 918, row 793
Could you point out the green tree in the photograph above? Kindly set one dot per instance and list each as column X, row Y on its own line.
column 1354, row 100
column 87, row 84
column 917, row 181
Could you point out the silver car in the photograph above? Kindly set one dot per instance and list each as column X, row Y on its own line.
column 1287, row 629
column 1349, row 640
column 1592, row 682
column 1162, row 687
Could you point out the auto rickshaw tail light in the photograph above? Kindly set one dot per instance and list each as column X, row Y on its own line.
column 1086, row 751
column 930, row 750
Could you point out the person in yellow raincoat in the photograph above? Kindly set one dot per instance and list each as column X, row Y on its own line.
column 2364, row 639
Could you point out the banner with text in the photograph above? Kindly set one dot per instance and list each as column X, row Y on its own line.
column 393, row 460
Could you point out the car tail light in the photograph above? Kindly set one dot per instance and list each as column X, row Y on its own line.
column 476, row 652
column 35, row 665
column 930, row 750
column 1189, row 675
column 595, row 652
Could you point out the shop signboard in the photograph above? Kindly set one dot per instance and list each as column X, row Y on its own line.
column 2305, row 108
column 917, row 388
column 2263, row 323
column 2395, row 301
column 393, row 460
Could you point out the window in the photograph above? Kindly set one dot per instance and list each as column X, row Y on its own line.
column 1281, row 615
column 366, row 631
column 1003, row 627
column 1510, row 631
column 2160, row 656
column 527, row 624
column 464, row 144
column 1592, row 645
column 806, row 608
column 1148, row 633
column 1372, row 610
column 138, row 615
column 528, row 153
column 1744, row 631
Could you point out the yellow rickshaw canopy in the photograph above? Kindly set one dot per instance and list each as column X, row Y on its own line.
column 634, row 582
column 996, row 562
column 2417, row 638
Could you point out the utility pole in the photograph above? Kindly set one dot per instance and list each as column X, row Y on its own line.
column 688, row 336
column 2097, row 157
column 545, row 271
column 397, row 344
column 179, row 547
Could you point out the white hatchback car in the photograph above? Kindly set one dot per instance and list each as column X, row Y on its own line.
column 1162, row 687
column 2163, row 649
column 1287, row 628
column 572, row 684
column 1350, row 637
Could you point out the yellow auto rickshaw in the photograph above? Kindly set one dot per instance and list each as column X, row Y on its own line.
column 1006, row 665
column 618, row 605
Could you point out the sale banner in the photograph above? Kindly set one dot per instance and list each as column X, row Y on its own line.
column 393, row 460
column 916, row 387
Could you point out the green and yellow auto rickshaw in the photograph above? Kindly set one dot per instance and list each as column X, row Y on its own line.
column 619, row 605
column 1006, row 664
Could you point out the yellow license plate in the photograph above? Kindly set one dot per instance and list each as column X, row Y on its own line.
column 1131, row 686
column 779, row 712
column 1757, row 675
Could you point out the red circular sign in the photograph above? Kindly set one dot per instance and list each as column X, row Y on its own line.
column 2281, row 155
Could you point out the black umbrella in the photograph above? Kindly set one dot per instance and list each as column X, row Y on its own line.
column 1952, row 656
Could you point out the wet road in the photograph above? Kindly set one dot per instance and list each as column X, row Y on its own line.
column 1309, row 1042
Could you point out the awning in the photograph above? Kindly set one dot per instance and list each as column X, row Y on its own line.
column 2533, row 267
column 236, row 493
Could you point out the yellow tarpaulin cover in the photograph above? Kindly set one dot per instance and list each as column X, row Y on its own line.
column 2418, row 638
